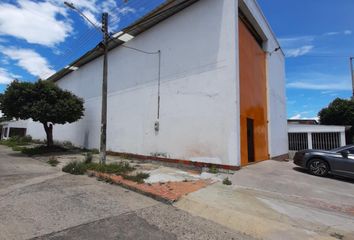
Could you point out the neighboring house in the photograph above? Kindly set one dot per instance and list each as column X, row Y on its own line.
column 13, row 128
column 217, row 95
column 309, row 136
column 303, row 121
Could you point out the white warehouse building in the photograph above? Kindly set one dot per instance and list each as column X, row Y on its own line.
column 217, row 91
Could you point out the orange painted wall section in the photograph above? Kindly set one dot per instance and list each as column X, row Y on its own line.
column 253, row 94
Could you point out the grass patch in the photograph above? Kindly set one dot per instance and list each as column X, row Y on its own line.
column 16, row 141
column 122, row 168
column 39, row 150
column 17, row 148
column 75, row 168
column 112, row 168
column 53, row 161
column 139, row 177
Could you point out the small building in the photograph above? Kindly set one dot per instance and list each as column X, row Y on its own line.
column 310, row 136
column 13, row 128
column 213, row 92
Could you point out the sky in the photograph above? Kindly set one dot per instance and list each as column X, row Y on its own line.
column 39, row 37
column 317, row 37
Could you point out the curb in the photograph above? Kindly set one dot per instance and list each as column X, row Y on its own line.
column 143, row 188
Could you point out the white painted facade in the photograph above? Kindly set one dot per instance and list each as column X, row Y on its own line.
column 199, row 113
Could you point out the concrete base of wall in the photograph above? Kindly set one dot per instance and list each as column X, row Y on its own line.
column 170, row 161
column 282, row 157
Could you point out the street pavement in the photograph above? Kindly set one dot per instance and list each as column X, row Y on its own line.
column 38, row 201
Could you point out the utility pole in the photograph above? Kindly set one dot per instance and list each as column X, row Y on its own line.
column 103, row 143
column 352, row 74
column 105, row 34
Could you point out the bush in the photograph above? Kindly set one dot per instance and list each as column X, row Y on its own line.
column 53, row 161
column 75, row 168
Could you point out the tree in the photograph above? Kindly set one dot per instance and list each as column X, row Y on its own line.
column 339, row 112
column 42, row 102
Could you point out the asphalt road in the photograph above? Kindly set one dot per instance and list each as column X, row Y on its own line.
column 38, row 201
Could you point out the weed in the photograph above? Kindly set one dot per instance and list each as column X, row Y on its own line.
column 94, row 151
column 42, row 150
column 53, row 161
column 227, row 181
column 113, row 168
column 75, row 168
column 17, row 148
column 68, row 145
column 213, row 169
column 139, row 177
column 159, row 154
column 88, row 157
column 16, row 141
column 105, row 179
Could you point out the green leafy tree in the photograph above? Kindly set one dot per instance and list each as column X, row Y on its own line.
column 42, row 102
column 339, row 112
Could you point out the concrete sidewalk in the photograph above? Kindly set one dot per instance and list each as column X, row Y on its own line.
column 41, row 202
column 271, row 200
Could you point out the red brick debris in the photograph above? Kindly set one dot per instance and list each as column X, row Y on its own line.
column 168, row 192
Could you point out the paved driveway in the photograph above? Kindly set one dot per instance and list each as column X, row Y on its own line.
column 276, row 200
column 290, row 181
column 41, row 202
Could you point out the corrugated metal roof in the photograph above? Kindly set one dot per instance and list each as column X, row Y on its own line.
column 164, row 11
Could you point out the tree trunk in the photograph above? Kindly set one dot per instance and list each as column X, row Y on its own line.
column 48, row 127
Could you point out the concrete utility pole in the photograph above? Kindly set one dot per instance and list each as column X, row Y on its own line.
column 352, row 74
column 104, row 89
column 105, row 34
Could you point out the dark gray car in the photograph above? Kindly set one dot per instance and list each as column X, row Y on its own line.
column 339, row 161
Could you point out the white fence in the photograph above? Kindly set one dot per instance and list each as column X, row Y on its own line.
column 302, row 136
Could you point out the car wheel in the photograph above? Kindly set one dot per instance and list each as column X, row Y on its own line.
column 318, row 167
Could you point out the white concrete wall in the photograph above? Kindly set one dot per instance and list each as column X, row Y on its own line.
column 277, row 117
column 198, row 115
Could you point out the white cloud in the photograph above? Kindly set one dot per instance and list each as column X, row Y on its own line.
column 297, row 116
column 35, row 22
column 93, row 9
column 29, row 60
column 319, row 81
column 348, row 32
column 300, row 116
column 331, row 33
column 6, row 77
column 297, row 52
